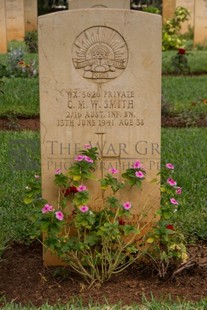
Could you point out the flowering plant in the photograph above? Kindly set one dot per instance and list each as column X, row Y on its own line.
column 18, row 67
column 180, row 62
column 96, row 244
column 167, row 242
column 171, row 37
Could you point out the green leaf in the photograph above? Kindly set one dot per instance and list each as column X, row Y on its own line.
column 128, row 229
column 91, row 239
column 166, row 215
column 28, row 200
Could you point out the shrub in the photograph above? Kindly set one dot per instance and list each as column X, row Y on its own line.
column 151, row 9
column 31, row 40
column 3, row 71
column 180, row 62
column 17, row 67
column 167, row 243
column 171, row 38
column 98, row 244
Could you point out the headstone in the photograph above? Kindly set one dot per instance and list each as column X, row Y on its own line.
column 30, row 15
column 200, row 26
column 168, row 9
column 3, row 39
column 188, row 4
column 15, row 20
column 82, row 4
column 100, row 84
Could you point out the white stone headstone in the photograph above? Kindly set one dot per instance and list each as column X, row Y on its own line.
column 189, row 5
column 30, row 15
column 100, row 83
column 15, row 20
column 200, row 25
column 3, row 37
column 83, row 4
column 168, row 9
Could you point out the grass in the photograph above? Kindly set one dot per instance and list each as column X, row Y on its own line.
column 20, row 98
column 27, row 58
column 197, row 61
column 181, row 91
column 186, row 149
column 146, row 305
column 19, row 158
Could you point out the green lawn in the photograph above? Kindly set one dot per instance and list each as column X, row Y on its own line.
column 182, row 92
column 197, row 61
column 16, row 171
column 20, row 98
column 146, row 305
column 187, row 148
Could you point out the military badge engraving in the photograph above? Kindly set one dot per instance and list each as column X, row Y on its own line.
column 100, row 54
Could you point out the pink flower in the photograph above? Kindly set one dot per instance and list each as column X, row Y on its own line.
column 127, row 205
column 47, row 208
column 87, row 146
column 137, row 164
column 79, row 157
column 171, row 182
column 88, row 159
column 36, row 176
column 174, row 201
column 58, row 171
column 59, row 215
column 84, row 209
column 81, row 188
column 83, row 157
column 179, row 190
column 113, row 170
column 139, row 174
column 170, row 166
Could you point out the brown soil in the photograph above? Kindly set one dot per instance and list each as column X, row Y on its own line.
column 24, row 279
column 34, row 123
column 177, row 122
column 20, row 124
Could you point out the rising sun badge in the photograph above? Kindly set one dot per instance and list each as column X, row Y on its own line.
column 100, row 54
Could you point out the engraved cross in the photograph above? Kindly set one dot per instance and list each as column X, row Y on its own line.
column 102, row 156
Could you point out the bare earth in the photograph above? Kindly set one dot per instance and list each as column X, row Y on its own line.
column 24, row 279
